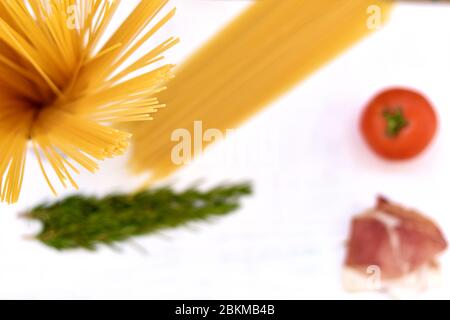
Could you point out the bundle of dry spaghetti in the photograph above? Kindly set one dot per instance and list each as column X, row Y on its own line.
column 260, row 55
column 63, row 83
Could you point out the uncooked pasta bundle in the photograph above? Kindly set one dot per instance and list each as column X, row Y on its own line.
column 260, row 55
column 64, row 83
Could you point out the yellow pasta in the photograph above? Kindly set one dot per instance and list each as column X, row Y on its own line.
column 61, row 89
column 260, row 55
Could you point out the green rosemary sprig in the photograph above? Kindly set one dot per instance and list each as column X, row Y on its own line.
column 85, row 222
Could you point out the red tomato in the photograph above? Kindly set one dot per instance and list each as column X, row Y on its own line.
column 399, row 124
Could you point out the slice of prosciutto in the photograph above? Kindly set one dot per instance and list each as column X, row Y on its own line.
column 390, row 244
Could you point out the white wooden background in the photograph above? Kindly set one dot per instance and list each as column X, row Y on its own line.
column 311, row 174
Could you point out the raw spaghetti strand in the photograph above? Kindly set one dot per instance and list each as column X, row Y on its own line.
column 61, row 91
column 261, row 54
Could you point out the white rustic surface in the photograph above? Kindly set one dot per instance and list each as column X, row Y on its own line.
column 311, row 174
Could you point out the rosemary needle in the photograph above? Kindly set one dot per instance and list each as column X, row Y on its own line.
column 86, row 222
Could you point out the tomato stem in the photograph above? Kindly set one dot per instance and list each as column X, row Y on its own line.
column 395, row 122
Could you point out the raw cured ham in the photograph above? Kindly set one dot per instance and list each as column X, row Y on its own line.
column 389, row 245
